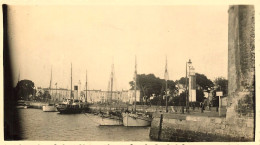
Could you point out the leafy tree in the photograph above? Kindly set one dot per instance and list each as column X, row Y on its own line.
column 182, row 80
column 200, row 95
column 221, row 84
column 172, row 91
column 149, row 85
column 203, row 81
column 39, row 96
column 182, row 99
column 157, row 100
column 24, row 89
column 175, row 101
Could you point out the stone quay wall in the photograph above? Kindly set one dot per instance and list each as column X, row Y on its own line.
column 176, row 127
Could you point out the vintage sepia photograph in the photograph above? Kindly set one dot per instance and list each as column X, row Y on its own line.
column 146, row 73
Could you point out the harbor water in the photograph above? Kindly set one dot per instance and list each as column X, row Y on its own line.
column 52, row 126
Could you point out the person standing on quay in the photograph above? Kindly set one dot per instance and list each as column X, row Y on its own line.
column 202, row 106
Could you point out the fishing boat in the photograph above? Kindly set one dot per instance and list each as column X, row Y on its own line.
column 110, row 118
column 72, row 106
column 49, row 107
column 134, row 118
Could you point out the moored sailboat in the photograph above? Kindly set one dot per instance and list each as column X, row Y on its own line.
column 134, row 118
column 110, row 118
column 49, row 107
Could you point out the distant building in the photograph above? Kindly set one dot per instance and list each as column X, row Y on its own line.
column 131, row 96
column 99, row 96
column 56, row 94
column 93, row 96
column 124, row 96
column 60, row 93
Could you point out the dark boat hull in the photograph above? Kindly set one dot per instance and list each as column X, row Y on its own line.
column 72, row 110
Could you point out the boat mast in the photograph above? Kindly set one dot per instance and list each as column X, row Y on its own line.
column 111, row 83
column 50, row 81
column 108, row 92
column 71, row 82
column 86, row 99
column 135, row 84
column 166, row 77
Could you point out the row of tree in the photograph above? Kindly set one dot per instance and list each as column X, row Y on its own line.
column 151, row 86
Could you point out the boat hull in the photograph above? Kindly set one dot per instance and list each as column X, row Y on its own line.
column 21, row 104
column 21, row 107
column 49, row 108
column 106, row 121
column 134, row 120
column 71, row 106
column 71, row 110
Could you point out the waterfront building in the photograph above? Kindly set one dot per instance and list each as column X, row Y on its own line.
column 55, row 94
column 93, row 96
column 99, row 96
column 59, row 93
column 124, row 96
column 131, row 96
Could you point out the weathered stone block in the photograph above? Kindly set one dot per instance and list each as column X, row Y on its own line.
column 250, row 123
column 218, row 120
column 172, row 121
column 223, row 126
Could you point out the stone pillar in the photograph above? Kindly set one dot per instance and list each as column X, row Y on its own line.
column 241, row 61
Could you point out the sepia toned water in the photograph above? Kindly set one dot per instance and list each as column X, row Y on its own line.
column 52, row 126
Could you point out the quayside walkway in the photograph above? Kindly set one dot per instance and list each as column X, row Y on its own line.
column 197, row 126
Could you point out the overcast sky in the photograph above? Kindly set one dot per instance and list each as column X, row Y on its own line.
column 94, row 37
